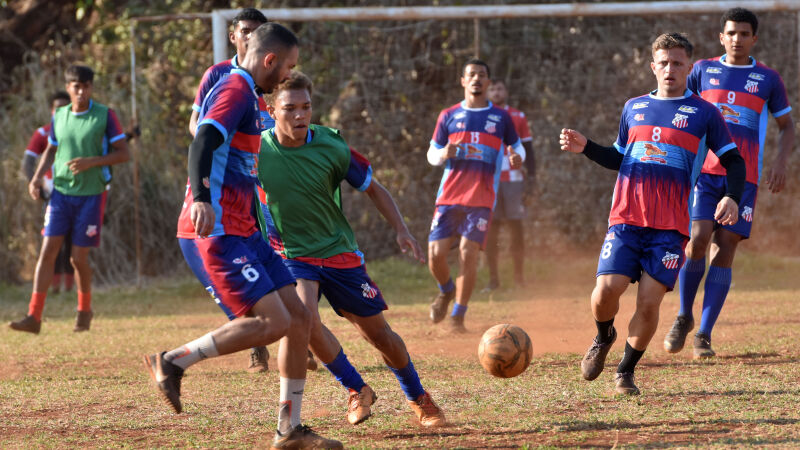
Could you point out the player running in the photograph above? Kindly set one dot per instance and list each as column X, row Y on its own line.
column 469, row 140
column 79, row 154
column 745, row 91
column 663, row 136
column 301, row 167
column 221, row 243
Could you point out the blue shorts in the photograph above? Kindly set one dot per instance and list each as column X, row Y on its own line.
column 237, row 271
column 467, row 221
column 628, row 250
column 78, row 215
column 350, row 290
column 710, row 189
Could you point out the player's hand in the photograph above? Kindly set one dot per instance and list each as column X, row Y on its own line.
column 407, row 242
column 776, row 177
column 571, row 141
column 79, row 165
column 450, row 150
column 514, row 160
column 203, row 218
column 727, row 212
column 35, row 188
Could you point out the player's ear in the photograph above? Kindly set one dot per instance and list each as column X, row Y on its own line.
column 232, row 38
column 269, row 59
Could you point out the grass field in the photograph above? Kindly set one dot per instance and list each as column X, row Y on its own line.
column 61, row 389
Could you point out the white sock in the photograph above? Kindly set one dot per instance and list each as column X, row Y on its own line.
column 291, row 403
column 193, row 352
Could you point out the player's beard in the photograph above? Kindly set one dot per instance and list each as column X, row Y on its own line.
column 272, row 81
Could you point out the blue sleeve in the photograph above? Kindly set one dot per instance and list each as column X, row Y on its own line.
column 622, row 135
column 778, row 102
column 51, row 139
column 440, row 133
column 718, row 138
column 226, row 106
column 510, row 136
column 359, row 172
column 694, row 78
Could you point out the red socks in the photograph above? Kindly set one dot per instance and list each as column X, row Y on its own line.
column 84, row 301
column 36, row 305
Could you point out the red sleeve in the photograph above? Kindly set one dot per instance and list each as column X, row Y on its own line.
column 38, row 141
column 521, row 124
column 113, row 128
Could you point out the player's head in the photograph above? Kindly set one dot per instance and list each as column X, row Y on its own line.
column 79, row 85
column 271, row 54
column 242, row 25
column 738, row 35
column 498, row 93
column 290, row 104
column 672, row 63
column 58, row 99
column 475, row 77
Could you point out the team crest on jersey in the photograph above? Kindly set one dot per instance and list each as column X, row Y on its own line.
column 670, row 260
column 482, row 224
column 714, row 70
column 687, row 109
column 751, row 86
column 680, row 120
column 494, row 117
column 490, row 126
column 460, row 115
column 240, row 260
column 756, row 76
column 638, row 117
column 368, row 291
column 714, row 81
column 91, row 230
column 640, row 105
column 747, row 214
column 653, row 153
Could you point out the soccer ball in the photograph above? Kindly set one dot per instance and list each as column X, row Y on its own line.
column 505, row 350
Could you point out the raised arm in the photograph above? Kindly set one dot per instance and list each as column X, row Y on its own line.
column 574, row 142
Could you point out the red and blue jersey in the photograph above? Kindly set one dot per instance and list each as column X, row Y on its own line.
column 232, row 108
column 745, row 95
column 471, row 178
column 664, row 142
column 217, row 72
column 36, row 146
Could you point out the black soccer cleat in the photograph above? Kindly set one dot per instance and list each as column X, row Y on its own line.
column 167, row 378
column 440, row 304
column 625, row 384
column 595, row 359
column 676, row 336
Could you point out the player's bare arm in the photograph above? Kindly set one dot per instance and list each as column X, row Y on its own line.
column 386, row 205
column 37, row 181
column 118, row 156
column 193, row 122
column 776, row 173
column 572, row 141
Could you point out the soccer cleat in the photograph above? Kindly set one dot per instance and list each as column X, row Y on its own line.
column 83, row 320
column 456, row 324
column 311, row 363
column 302, row 437
column 676, row 336
column 428, row 413
column 440, row 304
column 702, row 346
column 358, row 404
column 595, row 359
column 259, row 360
column 167, row 377
column 625, row 384
column 27, row 323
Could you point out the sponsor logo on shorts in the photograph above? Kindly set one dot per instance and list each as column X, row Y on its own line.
column 638, row 117
column 610, row 236
column 751, row 86
column 435, row 221
column 240, row 260
column 747, row 214
column 687, row 109
column 368, row 291
column 714, row 70
column 670, row 260
column 482, row 224
column 490, row 126
column 756, row 76
column 640, row 105
column 91, row 230
column 714, row 81
column 680, row 120
column 47, row 216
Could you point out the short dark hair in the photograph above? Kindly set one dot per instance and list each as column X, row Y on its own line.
column 59, row 95
column 498, row 80
column 272, row 37
column 672, row 40
column 297, row 81
column 477, row 62
column 81, row 74
column 249, row 14
column 739, row 15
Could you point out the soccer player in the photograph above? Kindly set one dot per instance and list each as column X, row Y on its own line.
column 242, row 25
column 510, row 208
column 469, row 140
column 745, row 91
column 38, row 143
column 222, row 245
column 85, row 140
column 301, row 167
column 663, row 138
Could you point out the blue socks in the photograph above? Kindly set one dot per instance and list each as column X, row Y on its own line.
column 689, row 278
column 447, row 287
column 718, row 283
column 409, row 380
column 458, row 309
column 345, row 373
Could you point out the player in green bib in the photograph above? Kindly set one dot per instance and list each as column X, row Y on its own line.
column 85, row 140
column 300, row 169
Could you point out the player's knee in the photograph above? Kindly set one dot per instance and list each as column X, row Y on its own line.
column 269, row 330
column 300, row 317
